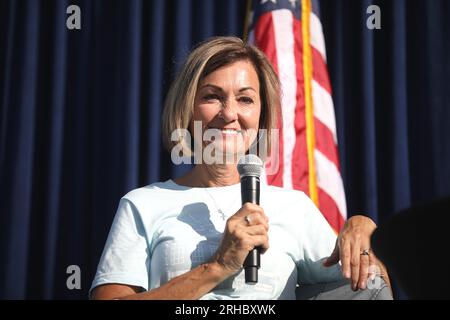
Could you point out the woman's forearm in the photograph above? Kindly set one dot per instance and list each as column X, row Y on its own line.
column 189, row 286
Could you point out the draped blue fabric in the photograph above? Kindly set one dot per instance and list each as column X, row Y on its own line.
column 392, row 98
column 80, row 114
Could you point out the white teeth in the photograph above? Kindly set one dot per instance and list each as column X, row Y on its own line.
column 228, row 131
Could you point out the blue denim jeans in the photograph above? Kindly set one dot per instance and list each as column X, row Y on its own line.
column 341, row 290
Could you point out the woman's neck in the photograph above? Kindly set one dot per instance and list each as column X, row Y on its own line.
column 210, row 176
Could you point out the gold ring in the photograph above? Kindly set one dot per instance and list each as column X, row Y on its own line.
column 365, row 252
column 247, row 219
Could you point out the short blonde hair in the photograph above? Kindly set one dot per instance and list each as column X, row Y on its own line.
column 207, row 57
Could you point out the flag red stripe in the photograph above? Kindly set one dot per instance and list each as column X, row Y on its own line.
column 325, row 142
column 300, row 170
column 330, row 210
column 320, row 71
column 265, row 40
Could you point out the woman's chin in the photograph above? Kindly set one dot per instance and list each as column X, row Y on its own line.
column 223, row 154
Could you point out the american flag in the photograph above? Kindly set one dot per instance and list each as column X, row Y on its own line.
column 290, row 34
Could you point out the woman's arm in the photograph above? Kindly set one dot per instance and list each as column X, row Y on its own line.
column 245, row 230
column 190, row 286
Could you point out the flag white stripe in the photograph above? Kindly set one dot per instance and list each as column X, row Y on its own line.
column 324, row 108
column 317, row 39
column 329, row 178
column 330, row 181
column 284, row 43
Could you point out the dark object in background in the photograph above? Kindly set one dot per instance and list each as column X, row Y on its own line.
column 414, row 245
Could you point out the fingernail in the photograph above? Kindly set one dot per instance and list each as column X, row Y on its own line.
column 347, row 274
column 363, row 285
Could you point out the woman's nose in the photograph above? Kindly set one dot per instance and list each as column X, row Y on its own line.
column 229, row 111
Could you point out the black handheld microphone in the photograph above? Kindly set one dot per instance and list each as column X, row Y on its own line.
column 250, row 168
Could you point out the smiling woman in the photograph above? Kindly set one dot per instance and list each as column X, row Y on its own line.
column 231, row 80
column 188, row 238
column 228, row 101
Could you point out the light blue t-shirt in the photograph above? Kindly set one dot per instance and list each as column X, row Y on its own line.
column 164, row 230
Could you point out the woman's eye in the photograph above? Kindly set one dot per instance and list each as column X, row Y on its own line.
column 246, row 100
column 211, row 97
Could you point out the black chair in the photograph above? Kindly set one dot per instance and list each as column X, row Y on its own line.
column 413, row 245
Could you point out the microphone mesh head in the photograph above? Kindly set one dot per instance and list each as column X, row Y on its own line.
column 250, row 165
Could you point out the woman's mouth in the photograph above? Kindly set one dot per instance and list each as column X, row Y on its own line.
column 227, row 131
column 230, row 131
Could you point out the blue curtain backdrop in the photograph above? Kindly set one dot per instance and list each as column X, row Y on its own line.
column 80, row 116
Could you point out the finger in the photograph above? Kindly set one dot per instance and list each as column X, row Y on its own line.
column 261, row 241
column 333, row 258
column 373, row 265
column 251, row 208
column 255, row 219
column 248, row 208
column 260, row 214
column 256, row 230
column 363, row 269
column 354, row 264
column 344, row 252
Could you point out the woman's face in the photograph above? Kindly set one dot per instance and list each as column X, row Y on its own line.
column 228, row 106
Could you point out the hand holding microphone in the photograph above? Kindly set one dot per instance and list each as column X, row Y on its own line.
column 246, row 232
column 250, row 168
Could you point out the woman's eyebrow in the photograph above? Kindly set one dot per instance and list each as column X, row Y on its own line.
column 208, row 85
column 246, row 88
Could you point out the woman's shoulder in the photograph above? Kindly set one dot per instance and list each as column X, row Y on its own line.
column 286, row 194
column 157, row 198
column 290, row 202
